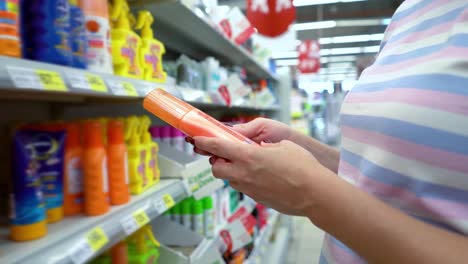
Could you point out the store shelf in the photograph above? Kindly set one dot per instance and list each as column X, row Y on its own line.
column 262, row 241
column 182, row 30
column 66, row 241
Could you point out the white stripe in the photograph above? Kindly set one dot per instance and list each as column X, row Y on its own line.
column 401, row 48
column 433, row 13
column 445, row 121
column 461, row 225
column 411, row 168
column 407, row 5
column 449, row 65
column 347, row 178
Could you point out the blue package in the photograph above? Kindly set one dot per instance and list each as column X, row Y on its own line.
column 44, row 150
column 78, row 37
column 46, row 31
column 27, row 201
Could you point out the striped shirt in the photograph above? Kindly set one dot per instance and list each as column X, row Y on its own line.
column 405, row 124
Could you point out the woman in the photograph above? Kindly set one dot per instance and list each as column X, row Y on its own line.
column 401, row 194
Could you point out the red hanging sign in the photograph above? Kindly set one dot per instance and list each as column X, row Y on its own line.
column 271, row 17
column 309, row 56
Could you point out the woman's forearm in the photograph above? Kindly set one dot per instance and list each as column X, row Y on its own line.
column 326, row 155
column 378, row 232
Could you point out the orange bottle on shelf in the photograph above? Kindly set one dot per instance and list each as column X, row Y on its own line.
column 119, row 253
column 96, row 190
column 73, row 171
column 187, row 118
column 117, row 163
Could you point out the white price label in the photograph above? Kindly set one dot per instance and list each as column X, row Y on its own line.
column 25, row 78
column 122, row 88
column 160, row 206
column 78, row 81
column 82, row 252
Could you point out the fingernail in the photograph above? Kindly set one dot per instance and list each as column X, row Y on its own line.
column 228, row 124
column 211, row 160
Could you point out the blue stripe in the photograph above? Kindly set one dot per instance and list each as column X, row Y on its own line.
column 458, row 40
column 416, row 186
column 435, row 82
column 343, row 246
column 429, row 23
column 399, row 15
column 418, row 134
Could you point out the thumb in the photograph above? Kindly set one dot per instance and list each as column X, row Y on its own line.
column 250, row 129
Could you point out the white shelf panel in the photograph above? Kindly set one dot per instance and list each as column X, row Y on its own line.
column 65, row 236
column 181, row 29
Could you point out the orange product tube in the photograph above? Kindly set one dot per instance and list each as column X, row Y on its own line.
column 119, row 253
column 187, row 118
column 117, row 163
column 96, row 190
column 73, row 174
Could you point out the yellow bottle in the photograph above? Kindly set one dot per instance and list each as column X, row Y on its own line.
column 125, row 43
column 142, row 246
column 151, row 50
column 136, row 157
column 152, row 149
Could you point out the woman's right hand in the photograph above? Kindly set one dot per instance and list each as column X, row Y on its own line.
column 266, row 130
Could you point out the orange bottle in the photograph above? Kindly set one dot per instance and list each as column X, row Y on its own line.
column 187, row 118
column 117, row 163
column 73, row 173
column 96, row 190
column 119, row 253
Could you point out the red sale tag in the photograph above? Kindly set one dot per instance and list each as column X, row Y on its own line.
column 309, row 56
column 271, row 17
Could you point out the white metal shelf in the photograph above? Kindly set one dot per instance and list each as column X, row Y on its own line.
column 182, row 30
column 65, row 237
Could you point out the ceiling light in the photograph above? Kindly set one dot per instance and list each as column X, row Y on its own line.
column 351, row 39
column 338, row 59
column 292, row 62
column 341, row 23
column 328, row 52
column 321, row 2
column 314, row 25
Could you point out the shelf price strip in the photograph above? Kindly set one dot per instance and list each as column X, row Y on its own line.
column 135, row 221
column 36, row 79
column 164, row 203
column 86, row 81
column 122, row 88
column 93, row 241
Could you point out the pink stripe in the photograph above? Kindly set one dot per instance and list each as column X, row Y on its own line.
column 407, row 200
column 442, row 28
column 426, row 98
column 346, row 171
column 432, row 156
column 445, row 53
column 339, row 255
column 415, row 15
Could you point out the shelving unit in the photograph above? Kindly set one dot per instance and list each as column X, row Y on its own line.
column 66, row 241
column 190, row 34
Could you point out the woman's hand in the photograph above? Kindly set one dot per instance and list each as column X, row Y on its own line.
column 278, row 175
column 266, row 130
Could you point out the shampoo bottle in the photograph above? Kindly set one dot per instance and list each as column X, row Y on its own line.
column 125, row 42
column 209, row 215
column 117, row 163
column 10, row 40
column 73, row 171
column 96, row 187
column 98, row 52
column 77, row 35
column 151, row 50
column 197, row 217
column 136, row 157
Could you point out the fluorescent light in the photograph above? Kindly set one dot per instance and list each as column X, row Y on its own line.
column 340, row 65
column 314, row 25
column 321, row 2
column 338, row 59
column 351, row 39
column 341, row 23
column 328, row 52
column 284, row 54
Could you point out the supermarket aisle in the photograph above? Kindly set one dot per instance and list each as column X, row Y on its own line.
column 306, row 243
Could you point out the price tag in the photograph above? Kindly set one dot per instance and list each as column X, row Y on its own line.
column 36, row 79
column 165, row 203
column 86, row 81
column 51, row 80
column 122, row 88
column 86, row 247
column 135, row 221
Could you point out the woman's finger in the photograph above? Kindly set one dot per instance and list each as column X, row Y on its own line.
column 223, row 169
column 227, row 149
column 201, row 152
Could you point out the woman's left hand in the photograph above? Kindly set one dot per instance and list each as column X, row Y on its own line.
column 280, row 175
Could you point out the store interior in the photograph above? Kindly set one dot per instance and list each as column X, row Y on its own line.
column 90, row 174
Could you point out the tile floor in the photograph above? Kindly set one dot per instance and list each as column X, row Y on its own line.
column 306, row 243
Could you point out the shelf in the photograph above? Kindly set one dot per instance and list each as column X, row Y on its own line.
column 182, row 30
column 19, row 79
column 66, row 240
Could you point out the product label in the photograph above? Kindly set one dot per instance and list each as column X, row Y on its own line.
column 62, row 28
column 105, row 177
column 75, row 176
column 130, row 52
column 36, row 79
column 164, row 203
column 9, row 20
column 134, row 222
column 86, row 81
column 126, row 168
column 198, row 223
column 142, row 168
column 78, row 37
